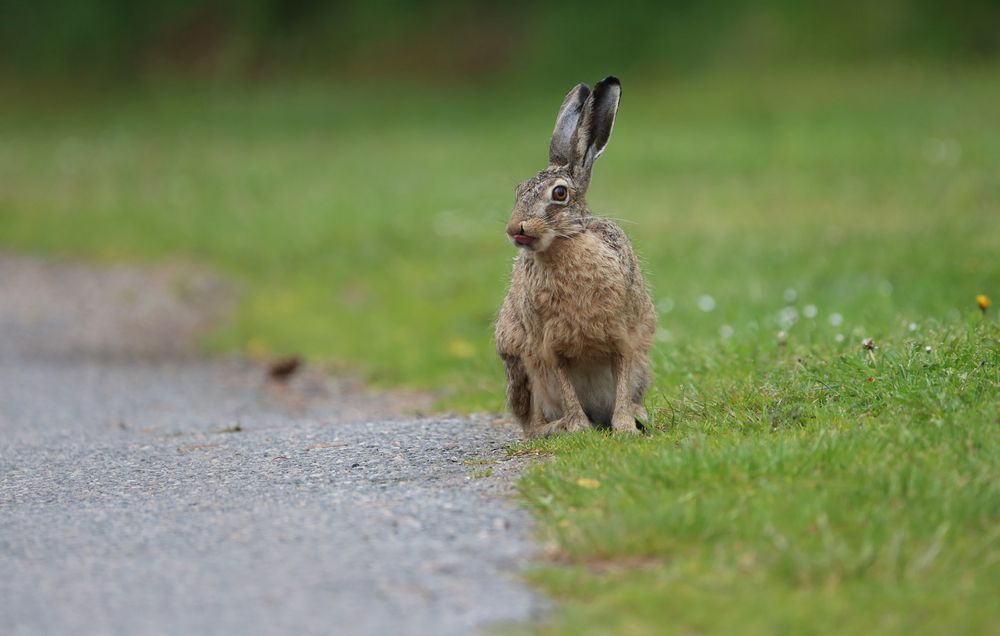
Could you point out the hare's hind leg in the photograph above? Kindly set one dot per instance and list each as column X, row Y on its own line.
column 555, row 407
column 527, row 402
column 537, row 425
column 539, row 416
column 541, row 426
column 518, row 390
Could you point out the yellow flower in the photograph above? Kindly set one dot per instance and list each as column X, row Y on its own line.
column 588, row 483
column 983, row 301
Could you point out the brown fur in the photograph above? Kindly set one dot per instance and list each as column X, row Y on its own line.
column 575, row 328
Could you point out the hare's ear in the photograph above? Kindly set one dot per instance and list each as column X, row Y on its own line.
column 560, row 148
column 594, row 129
column 607, row 94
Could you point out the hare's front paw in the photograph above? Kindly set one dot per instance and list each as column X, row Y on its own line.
column 624, row 423
column 569, row 424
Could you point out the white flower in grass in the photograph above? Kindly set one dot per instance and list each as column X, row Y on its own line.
column 782, row 337
column 665, row 305
column 788, row 317
column 790, row 295
column 912, row 326
column 836, row 319
column 927, row 349
column 726, row 332
column 839, row 337
column 810, row 311
column 706, row 303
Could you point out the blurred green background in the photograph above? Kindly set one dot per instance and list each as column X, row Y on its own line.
column 352, row 164
column 478, row 41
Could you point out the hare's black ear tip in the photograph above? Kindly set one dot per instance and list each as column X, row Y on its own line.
column 610, row 80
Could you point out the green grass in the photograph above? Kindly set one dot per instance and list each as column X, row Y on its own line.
column 782, row 490
column 821, row 492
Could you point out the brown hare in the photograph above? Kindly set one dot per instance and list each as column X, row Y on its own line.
column 575, row 328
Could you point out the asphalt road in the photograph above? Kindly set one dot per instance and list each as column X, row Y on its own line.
column 144, row 489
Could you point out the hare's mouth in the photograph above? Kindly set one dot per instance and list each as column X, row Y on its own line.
column 524, row 239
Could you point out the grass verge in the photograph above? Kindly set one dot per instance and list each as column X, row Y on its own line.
column 821, row 493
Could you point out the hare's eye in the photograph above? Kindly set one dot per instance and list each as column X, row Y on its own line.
column 559, row 193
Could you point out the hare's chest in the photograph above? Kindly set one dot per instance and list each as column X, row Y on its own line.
column 575, row 301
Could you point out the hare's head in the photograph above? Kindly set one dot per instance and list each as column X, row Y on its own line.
column 551, row 204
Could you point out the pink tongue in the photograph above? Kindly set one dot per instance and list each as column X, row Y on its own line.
column 523, row 239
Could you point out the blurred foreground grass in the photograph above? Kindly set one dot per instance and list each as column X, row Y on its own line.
column 794, row 482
